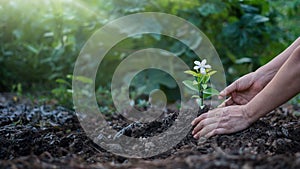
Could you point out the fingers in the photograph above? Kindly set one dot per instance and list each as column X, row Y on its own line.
column 203, row 123
column 227, row 102
column 239, row 100
column 207, row 129
column 222, row 105
column 240, row 84
column 211, row 130
column 221, row 121
column 235, row 99
column 229, row 89
column 212, row 123
column 216, row 132
column 208, row 123
column 198, row 119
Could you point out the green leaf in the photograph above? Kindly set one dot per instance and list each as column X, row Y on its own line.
column 211, row 73
column 70, row 76
column 260, row 18
column 205, row 79
column 243, row 60
column 204, row 86
column 83, row 79
column 207, row 9
column 189, row 84
column 195, row 82
column 193, row 73
column 249, row 8
column 196, row 96
column 161, row 78
column 210, row 92
column 32, row 48
column 57, row 91
column 62, row 81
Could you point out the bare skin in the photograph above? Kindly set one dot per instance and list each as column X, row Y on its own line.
column 245, row 88
column 253, row 95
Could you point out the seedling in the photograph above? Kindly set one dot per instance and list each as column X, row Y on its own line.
column 202, row 75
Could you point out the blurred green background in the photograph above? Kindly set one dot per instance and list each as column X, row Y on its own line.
column 41, row 39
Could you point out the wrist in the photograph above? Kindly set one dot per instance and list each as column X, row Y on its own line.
column 264, row 75
column 251, row 113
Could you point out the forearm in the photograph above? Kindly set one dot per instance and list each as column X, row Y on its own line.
column 270, row 69
column 284, row 85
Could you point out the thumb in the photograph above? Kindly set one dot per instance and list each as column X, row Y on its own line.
column 229, row 89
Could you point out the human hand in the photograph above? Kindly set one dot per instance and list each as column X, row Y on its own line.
column 223, row 120
column 242, row 90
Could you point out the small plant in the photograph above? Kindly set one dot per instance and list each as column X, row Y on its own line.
column 17, row 88
column 63, row 92
column 202, row 75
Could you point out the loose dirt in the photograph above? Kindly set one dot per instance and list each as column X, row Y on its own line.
column 44, row 136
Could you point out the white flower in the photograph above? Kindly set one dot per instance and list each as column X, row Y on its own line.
column 202, row 66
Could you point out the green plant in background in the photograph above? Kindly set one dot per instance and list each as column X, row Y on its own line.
column 63, row 92
column 47, row 36
column 43, row 38
column 202, row 75
column 104, row 100
column 295, row 100
column 17, row 88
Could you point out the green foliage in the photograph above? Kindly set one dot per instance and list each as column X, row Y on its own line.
column 296, row 100
column 17, row 88
column 63, row 92
column 104, row 100
column 40, row 40
column 246, row 34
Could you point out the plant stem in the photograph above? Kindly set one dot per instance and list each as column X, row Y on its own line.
column 200, row 92
column 202, row 99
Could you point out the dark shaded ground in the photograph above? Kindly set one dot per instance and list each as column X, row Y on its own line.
column 51, row 137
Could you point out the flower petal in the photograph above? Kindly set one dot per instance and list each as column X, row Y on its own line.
column 197, row 62
column 207, row 66
column 202, row 71
column 196, row 67
column 203, row 62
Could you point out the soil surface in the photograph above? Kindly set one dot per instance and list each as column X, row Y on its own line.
column 47, row 136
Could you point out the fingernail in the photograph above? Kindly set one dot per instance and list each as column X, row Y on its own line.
column 220, row 97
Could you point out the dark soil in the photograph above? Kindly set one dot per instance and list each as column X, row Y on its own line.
column 45, row 136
